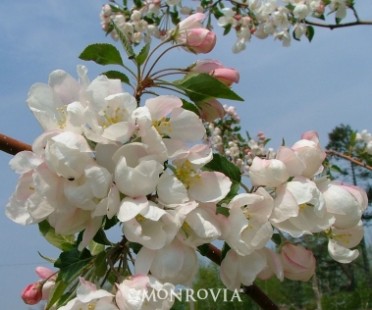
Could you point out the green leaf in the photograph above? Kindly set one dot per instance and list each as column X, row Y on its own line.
column 310, row 33
column 102, row 53
column 64, row 243
column 57, row 292
column 113, row 74
column 101, row 238
column 100, row 264
column 125, row 42
column 222, row 164
column 142, row 56
column 191, row 107
column 73, row 263
column 202, row 86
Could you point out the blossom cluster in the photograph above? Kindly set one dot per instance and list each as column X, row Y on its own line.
column 106, row 158
column 365, row 137
column 254, row 18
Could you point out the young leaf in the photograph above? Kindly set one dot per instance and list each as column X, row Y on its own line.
column 310, row 33
column 124, row 40
column 142, row 56
column 102, row 53
column 57, row 292
column 113, row 74
column 222, row 164
column 72, row 264
column 65, row 243
column 201, row 86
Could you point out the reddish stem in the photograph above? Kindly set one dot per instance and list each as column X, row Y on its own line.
column 12, row 146
column 349, row 158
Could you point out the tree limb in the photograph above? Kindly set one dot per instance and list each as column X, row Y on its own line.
column 349, row 158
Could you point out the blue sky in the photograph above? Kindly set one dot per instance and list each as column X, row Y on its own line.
column 316, row 85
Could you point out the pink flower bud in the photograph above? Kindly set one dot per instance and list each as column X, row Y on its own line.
column 298, row 262
column 227, row 76
column 32, row 293
column 200, row 40
column 217, row 70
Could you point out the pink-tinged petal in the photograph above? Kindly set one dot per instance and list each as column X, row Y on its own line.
column 268, row 172
column 131, row 207
column 104, row 155
column 44, row 105
column 293, row 163
column 349, row 237
column 87, row 292
column 210, row 187
column 119, row 132
column 341, row 254
column 311, row 155
column 285, row 206
column 110, row 205
column 229, row 271
column 192, row 21
column 100, row 88
column 298, row 262
column 341, row 201
column 25, row 161
column 44, row 272
column 211, row 110
column 99, row 180
column 274, row 265
column 171, row 190
column 162, row 106
column 90, row 231
column 144, row 260
column 311, row 135
column 186, row 125
column 64, row 86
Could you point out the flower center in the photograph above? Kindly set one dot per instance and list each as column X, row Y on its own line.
column 163, row 126
column 187, row 174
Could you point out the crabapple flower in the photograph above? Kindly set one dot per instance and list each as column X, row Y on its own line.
column 89, row 297
column 54, row 104
column 309, row 151
column 136, row 172
column 234, row 271
column 202, row 186
column 131, row 293
column 201, row 225
column 298, row 262
column 176, row 263
column 299, row 208
column 67, row 154
column 247, row 228
column 146, row 223
column 111, row 122
column 342, row 240
column 345, row 202
column 35, row 196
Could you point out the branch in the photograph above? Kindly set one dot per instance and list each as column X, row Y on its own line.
column 253, row 291
column 349, row 158
column 13, row 146
column 334, row 26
